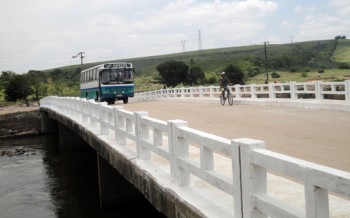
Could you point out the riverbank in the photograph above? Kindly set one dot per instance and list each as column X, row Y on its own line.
column 18, row 121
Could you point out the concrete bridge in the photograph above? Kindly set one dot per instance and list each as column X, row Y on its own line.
column 185, row 172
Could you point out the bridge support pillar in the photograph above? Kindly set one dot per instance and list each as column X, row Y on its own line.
column 68, row 138
column 114, row 188
column 48, row 125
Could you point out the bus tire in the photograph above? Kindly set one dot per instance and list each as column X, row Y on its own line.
column 125, row 100
column 112, row 101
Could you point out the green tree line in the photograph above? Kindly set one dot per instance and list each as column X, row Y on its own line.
column 173, row 73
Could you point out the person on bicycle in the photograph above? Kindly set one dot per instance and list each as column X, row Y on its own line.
column 224, row 82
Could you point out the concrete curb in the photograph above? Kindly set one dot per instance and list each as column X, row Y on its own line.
column 336, row 105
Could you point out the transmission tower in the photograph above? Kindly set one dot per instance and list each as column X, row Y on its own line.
column 199, row 41
column 183, row 46
column 291, row 38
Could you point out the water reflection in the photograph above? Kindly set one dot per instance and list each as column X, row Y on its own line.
column 55, row 183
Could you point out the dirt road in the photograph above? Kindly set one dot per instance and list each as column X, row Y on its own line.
column 319, row 136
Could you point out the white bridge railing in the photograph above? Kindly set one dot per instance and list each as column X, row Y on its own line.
column 192, row 152
column 312, row 90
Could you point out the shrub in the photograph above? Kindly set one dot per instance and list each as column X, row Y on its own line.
column 212, row 80
column 275, row 75
column 321, row 70
column 252, row 73
column 293, row 69
column 344, row 66
column 304, row 74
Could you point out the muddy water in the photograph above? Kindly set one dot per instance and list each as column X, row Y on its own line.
column 37, row 179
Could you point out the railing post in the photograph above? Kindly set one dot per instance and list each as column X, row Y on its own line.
column 293, row 94
column 272, row 93
column 92, row 113
column 201, row 91
column 316, row 201
column 119, row 123
column 253, row 178
column 253, row 91
column 238, row 91
column 237, row 178
column 85, row 111
column 347, row 90
column 103, row 117
column 211, row 91
column 142, row 133
column 178, row 148
column 318, row 90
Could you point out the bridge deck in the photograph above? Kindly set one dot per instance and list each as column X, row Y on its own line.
column 298, row 132
column 320, row 136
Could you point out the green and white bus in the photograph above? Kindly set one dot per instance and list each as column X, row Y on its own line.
column 108, row 82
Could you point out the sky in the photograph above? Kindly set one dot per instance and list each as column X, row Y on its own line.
column 46, row 34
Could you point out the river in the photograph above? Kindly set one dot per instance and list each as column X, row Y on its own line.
column 37, row 179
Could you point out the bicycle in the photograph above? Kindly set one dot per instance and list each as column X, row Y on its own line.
column 229, row 97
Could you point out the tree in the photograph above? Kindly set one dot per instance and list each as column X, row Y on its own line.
column 18, row 88
column 173, row 72
column 37, row 80
column 235, row 74
column 196, row 76
column 5, row 78
column 340, row 37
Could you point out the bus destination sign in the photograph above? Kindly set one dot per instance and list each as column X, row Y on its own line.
column 116, row 65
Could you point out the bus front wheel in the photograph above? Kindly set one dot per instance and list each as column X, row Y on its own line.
column 111, row 101
column 125, row 100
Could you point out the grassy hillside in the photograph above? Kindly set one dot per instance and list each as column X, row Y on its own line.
column 342, row 52
column 213, row 60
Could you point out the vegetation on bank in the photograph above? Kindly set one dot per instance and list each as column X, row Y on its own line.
column 327, row 60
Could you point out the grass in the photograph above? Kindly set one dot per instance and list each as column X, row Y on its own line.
column 329, row 75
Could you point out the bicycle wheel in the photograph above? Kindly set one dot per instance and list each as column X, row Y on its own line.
column 222, row 100
column 230, row 98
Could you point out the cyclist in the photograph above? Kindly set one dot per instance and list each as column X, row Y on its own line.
column 224, row 81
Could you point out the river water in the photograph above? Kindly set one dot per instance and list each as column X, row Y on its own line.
column 37, row 179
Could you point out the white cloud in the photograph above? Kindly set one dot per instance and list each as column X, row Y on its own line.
column 41, row 34
column 326, row 24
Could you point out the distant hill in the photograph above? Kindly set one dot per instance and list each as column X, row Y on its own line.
column 292, row 57
column 311, row 54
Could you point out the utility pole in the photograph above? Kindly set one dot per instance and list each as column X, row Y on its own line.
column 81, row 58
column 267, row 73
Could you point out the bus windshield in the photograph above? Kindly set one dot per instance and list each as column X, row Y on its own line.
column 117, row 76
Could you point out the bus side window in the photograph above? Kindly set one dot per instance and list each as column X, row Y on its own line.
column 105, row 76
